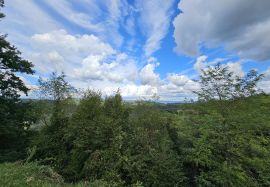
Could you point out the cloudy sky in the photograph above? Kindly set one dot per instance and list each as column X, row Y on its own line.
column 141, row 47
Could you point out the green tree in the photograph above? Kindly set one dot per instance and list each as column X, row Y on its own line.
column 56, row 88
column 1, row 5
column 13, row 119
column 218, row 83
column 51, row 147
column 234, row 154
column 222, row 136
column 11, row 63
column 121, row 146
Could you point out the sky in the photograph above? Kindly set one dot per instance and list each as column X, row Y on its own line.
column 143, row 48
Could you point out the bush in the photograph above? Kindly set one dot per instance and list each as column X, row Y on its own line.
column 31, row 174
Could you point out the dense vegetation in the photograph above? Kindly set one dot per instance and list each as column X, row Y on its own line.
column 13, row 138
column 141, row 145
column 223, row 139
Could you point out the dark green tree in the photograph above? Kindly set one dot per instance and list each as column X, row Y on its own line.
column 13, row 119
column 1, row 5
column 50, row 144
column 11, row 63
column 222, row 136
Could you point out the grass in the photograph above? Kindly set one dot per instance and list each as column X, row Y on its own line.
column 31, row 174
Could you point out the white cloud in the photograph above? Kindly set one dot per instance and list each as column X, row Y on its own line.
column 93, row 60
column 155, row 21
column 148, row 75
column 264, row 84
column 177, row 79
column 97, row 17
column 67, row 43
column 91, row 63
column 94, row 67
column 59, row 47
column 20, row 23
column 87, row 61
column 241, row 26
column 65, row 9
column 179, row 85
column 83, row 57
column 236, row 68
column 267, row 74
column 136, row 91
column 200, row 63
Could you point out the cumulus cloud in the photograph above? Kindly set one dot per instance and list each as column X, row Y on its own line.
column 99, row 59
column 240, row 26
column 64, row 42
column 177, row 79
column 94, row 67
column 236, row 68
column 148, row 75
column 92, row 63
column 200, row 63
column 180, row 84
column 83, row 57
column 264, row 84
column 58, row 50
column 267, row 74
column 132, row 90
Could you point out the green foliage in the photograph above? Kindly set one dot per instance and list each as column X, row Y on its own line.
column 35, row 175
column 24, row 175
column 103, row 141
column 11, row 63
column 227, row 138
column 1, row 6
column 232, row 154
column 50, row 142
column 107, row 143
column 13, row 113
column 150, row 157
column 14, row 129
column 56, row 88
column 219, row 83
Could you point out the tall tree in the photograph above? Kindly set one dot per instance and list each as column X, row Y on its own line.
column 218, row 83
column 56, row 88
column 51, row 147
column 11, row 63
column 12, row 111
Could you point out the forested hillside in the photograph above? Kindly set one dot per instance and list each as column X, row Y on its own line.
column 111, row 144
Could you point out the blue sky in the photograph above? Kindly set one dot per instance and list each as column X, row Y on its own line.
column 142, row 47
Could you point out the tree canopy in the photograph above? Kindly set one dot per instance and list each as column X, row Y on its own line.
column 13, row 117
column 11, row 63
column 217, row 82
